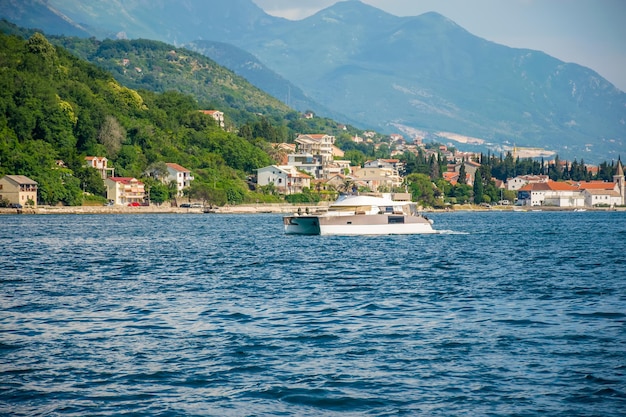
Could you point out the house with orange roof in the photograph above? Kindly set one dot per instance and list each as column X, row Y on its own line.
column 575, row 194
column 217, row 115
column 125, row 190
column 603, row 193
column 470, row 169
column 551, row 193
column 451, row 176
column 100, row 163
column 180, row 175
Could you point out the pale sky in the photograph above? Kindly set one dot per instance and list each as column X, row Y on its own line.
column 591, row 33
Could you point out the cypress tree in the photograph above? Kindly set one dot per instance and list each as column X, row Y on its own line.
column 462, row 175
column 434, row 168
column 478, row 187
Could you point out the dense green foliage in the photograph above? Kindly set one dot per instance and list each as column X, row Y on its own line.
column 55, row 107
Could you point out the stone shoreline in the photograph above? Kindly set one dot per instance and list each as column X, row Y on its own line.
column 164, row 209
column 255, row 209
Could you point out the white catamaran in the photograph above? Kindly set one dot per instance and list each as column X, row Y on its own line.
column 361, row 215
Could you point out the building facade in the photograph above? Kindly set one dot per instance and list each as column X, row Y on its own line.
column 217, row 115
column 316, row 145
column 18, row 189
column 125, row 190
column 287, row 179
column 180, row 175
column 100, row 163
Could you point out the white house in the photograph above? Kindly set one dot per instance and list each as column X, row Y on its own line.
column 321, row 145
column 217, row 115
column 599, row 197
column 287, row 179
column 393, row 164
column 180, row 175
column 125, row 190
column 551, row 193
column 306, row 162
column 514, row 184
column 601, row 193
column 100, row 163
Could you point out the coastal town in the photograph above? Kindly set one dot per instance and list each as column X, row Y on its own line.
column 314, row 162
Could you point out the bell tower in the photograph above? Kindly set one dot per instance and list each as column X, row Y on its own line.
column 619, row 179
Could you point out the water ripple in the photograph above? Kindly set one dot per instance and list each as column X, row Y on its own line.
column 499, row 314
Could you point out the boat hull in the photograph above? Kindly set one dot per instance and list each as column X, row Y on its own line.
column 380, row 224
column 302, row 225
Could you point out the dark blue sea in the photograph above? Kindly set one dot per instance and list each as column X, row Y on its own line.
column 501, row 314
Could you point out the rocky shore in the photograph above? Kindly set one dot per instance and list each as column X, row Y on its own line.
column 254, row 209
column 165, row 209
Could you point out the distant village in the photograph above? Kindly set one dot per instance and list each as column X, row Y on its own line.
column 314, row 159
column 314, row 162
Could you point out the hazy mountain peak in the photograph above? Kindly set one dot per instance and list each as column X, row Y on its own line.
column 352, row 11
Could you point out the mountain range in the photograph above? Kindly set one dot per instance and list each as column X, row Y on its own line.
column 423, row 75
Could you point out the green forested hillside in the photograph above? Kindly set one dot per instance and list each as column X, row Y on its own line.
column 159, row 67
column 56, row 107
column 156, row 66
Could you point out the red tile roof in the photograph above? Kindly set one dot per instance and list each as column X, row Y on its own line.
column 124, row 180
column 177, row 167
column 451, row 177
column 596, row 185
column 548, row 186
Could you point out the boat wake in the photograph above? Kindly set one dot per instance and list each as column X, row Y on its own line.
column 450, row 232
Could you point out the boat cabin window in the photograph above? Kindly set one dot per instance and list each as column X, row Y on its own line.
column 395, row 219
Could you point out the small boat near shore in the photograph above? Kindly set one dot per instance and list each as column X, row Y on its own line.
column 361, row 215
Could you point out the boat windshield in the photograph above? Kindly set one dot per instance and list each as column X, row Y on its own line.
column 350, row 209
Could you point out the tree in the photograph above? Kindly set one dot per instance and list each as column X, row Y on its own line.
column 348, row 186
column 159, row 193
column 275, row 152
column 111, row 135
column 434, row 168
column 42, row 55
column 90, row 180
column 462, row 174
column 158, row 170
column 461, row 193
column 356, row 157
column 478, row 187
column 421, row 188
